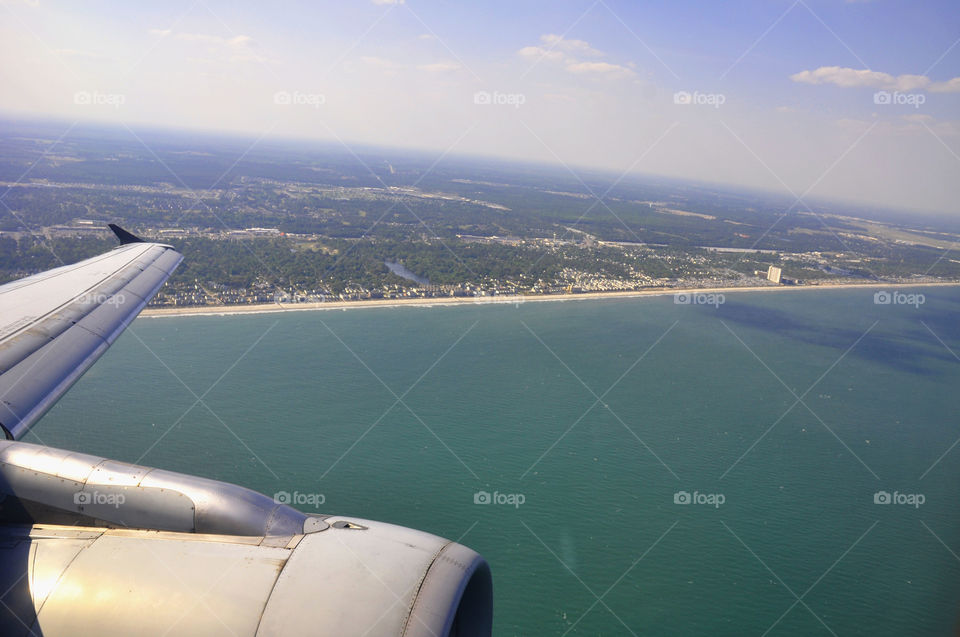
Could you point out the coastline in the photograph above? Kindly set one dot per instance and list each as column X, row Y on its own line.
column 266, row 308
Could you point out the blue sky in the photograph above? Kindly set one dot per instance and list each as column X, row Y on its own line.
column 831, row 98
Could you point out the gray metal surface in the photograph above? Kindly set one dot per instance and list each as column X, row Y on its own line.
column 92, row 546
column 55, row 325
column 377, row 579
column 105, row 492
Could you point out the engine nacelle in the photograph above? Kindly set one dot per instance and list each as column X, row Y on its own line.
column 192, row 566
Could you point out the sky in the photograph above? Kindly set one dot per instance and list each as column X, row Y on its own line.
column 852, row 100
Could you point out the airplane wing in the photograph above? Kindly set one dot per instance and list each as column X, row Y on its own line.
column 56, row 324
column 93, row 546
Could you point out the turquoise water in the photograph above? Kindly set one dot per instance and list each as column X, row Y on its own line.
column 498, row 398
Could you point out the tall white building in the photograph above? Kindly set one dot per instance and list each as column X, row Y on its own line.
column 773, row 274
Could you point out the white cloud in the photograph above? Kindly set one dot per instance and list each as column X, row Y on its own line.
column 865, row 78
column 558, row 49
column 439, row 67
column 367, row 103
column 382, row 2
column 241, row 40
column 234, row 49
column 950, row 86
column 603, row 69
column 578, row 47
column 555, row 48
column 538, row 52
column 845, row 77
column 426, row 36
column 199, row 37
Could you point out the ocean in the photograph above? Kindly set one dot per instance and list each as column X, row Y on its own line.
column 777, row 463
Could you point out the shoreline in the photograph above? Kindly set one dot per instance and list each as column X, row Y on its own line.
column 270, row 308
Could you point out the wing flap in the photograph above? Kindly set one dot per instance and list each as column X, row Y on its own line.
column 33, row 386
column 55, row 325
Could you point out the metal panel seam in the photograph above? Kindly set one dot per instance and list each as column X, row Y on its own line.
column 423, row 577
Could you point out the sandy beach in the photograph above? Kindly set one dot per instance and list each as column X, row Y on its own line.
column 223, row 310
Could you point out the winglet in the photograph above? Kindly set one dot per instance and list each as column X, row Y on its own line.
column 124, row 236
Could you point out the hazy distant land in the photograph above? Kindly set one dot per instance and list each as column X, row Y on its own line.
column 295, row 225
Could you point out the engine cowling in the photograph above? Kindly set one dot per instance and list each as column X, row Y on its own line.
column 214, row 558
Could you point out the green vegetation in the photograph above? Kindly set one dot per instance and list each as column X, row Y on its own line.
column 335, row 219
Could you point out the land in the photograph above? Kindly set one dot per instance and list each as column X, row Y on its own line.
column 269, row 308
column 291, row 224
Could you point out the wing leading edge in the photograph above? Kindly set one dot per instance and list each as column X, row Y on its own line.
column 56, row 324
column 72, row 523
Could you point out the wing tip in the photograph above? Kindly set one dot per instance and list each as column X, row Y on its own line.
column 124, row 236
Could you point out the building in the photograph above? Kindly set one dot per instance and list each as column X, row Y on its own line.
column 773, row 274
